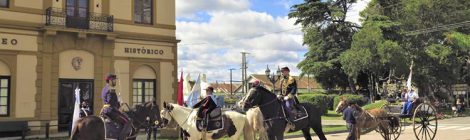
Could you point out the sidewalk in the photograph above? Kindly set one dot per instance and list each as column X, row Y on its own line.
column 333, row 122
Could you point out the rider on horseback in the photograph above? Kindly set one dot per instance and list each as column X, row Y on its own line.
column 111, row 106
column 288, row 93
column 206, row 105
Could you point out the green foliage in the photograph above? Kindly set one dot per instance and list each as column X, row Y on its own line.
column 318, row 100
column 327, row 34
column 377, row 104
column 341, row 54
column 358, row 99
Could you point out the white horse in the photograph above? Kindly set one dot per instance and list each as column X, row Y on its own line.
column 235, row 124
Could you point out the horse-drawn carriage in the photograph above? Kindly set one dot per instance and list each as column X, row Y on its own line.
column 423, row 121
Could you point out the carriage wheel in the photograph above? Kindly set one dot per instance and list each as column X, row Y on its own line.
column 390, row 129
column 425, row 122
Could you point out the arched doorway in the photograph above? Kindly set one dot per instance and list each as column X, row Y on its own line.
column 4, row 89
column 143, row 85
column 76, row 71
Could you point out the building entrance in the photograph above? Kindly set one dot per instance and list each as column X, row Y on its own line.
column 67, row 99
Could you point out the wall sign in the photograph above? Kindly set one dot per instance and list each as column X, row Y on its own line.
column 18, row 42
column 7, row 41
column 143, row 51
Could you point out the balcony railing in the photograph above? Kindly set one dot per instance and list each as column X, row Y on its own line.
column 90, row 21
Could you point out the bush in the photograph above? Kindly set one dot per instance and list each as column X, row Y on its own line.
column 358, row 99
column 377, row 104
column 318, row 100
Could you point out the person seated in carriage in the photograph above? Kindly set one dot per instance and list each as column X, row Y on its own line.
column 206, row 105
column 288, row 93
column 410, row 99
column 111, row 106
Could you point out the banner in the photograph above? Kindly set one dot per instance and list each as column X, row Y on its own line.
column 180, row 91
column 193, row 97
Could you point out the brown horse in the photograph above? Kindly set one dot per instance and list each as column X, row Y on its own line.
column 93, row 127
column 368, row 120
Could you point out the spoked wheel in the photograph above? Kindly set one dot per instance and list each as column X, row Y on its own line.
column 390, row 128
column 425, row 122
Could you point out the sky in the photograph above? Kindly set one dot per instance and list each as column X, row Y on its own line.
column 213, row 34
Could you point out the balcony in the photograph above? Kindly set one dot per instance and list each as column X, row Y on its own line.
column 87, row 21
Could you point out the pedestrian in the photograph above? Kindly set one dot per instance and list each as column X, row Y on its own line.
column 349, row 116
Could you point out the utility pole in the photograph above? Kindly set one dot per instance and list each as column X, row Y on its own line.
column 231, row 86
column 243, row 68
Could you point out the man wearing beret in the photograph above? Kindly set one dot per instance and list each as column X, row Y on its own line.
column 111, row 106
column 288, row 91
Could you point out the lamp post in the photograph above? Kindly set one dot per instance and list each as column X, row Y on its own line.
column 274, row 77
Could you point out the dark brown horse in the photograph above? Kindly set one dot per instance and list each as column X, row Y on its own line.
column 275, row 120
column 92, row 127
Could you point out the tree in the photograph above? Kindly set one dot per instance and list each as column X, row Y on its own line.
column 327, row 34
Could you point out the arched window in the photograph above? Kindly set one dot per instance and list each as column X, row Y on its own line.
column 144, row 85
column 4, row 90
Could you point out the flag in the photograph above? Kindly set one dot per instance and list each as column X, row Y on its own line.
column 186, row 87
column 76, row 110
column 408, row 82
column 193, row 97
column 180, row 91
column 204, row 85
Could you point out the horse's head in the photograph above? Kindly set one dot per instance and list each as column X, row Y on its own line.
column 341, row 106
column 256, row 97
column 148, row 111
column 165, row 114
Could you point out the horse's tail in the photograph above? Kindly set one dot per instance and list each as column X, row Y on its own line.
column 248, row 133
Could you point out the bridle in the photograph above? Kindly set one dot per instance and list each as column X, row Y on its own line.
column 172, row 117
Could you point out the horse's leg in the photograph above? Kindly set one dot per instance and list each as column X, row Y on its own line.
column 306, row 132
column 317, row 128
column 357, row 130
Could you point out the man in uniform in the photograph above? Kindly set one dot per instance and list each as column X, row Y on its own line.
column 288, row 91
column 206, row 105
column 111, row 106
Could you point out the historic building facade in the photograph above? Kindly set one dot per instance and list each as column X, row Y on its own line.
column 49, row 48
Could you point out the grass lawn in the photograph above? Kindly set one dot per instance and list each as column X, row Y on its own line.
column 332, row 115
column 326, row 129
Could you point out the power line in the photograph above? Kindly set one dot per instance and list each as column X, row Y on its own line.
column 439, row 28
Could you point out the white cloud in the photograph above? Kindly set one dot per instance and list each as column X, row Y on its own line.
column 356, row 8
column 190, row 8
column 214, row 46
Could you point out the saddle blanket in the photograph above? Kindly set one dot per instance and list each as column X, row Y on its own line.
column 299, row 113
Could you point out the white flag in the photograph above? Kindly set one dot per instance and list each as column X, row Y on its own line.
column 195, row 93
column 186, row 87
column 76, row 110
column 408, row 82
column 204, row 85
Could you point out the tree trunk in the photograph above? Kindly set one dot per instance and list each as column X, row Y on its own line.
column 352, row 85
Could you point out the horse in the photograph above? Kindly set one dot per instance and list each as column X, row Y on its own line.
column 274, row 120
column 93, row 127
column 368, row 120
column 235, row 124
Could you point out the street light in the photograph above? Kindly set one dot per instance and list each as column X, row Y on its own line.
column 274, row 77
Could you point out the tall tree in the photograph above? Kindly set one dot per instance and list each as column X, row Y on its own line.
column 327, row 34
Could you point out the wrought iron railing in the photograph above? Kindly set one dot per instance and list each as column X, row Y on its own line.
column 89, row 20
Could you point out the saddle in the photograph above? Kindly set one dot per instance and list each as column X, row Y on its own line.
column 298, row 112
column 213, row 121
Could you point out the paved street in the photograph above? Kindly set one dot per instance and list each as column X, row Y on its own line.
column 449, row 129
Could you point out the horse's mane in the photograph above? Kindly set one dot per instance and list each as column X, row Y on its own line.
column 264, row 90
